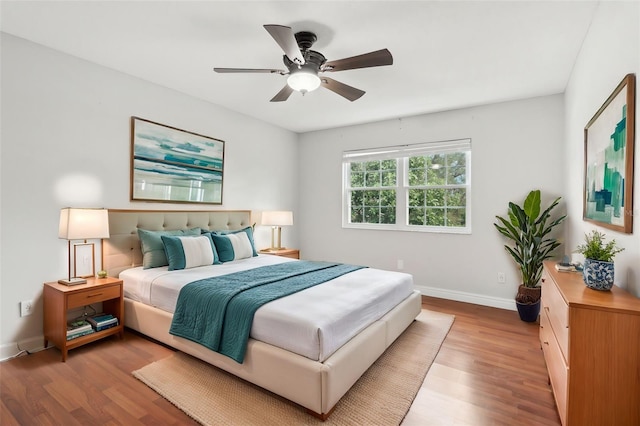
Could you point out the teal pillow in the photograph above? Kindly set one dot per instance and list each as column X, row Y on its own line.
column 248, row 230
column 232, row 246
column 153, row 255
column 189, row 252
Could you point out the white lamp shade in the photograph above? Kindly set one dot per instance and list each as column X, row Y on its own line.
column 277, row 218
column 83, row 224
column 303, row 81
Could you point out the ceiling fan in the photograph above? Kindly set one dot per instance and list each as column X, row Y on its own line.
column 304, row 64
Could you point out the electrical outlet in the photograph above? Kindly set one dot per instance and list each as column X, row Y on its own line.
column 26, row 308
column 502, row 278
column 400, row 265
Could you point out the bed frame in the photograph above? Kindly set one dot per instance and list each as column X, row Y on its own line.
column 317, row 386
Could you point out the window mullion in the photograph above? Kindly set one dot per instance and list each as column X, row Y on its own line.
column 402, row 203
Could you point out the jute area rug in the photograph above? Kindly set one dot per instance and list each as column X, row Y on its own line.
column 382, row 396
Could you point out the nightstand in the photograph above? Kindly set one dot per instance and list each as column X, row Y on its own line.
column 292, row 253
column 59, row 298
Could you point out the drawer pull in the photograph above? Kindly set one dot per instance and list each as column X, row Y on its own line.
column 94, row 295
column 546, row 343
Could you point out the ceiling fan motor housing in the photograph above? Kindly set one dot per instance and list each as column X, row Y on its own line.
column 305, row 39
column 313, row 60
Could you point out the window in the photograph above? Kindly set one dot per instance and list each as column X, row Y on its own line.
column 373, row 194
column 421, row 187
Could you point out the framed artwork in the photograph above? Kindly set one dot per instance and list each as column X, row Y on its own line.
column 173, row 165
column 83, row 260
column 608, row 161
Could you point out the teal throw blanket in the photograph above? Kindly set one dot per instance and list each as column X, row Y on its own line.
column 218, row 312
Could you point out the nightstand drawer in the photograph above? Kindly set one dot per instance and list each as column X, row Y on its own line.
column 87, row 297
column 292, row 255
column 285, row 252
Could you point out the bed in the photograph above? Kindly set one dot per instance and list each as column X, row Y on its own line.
column 314, row 381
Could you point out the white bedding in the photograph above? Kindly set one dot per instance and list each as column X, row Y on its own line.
column 313, row 323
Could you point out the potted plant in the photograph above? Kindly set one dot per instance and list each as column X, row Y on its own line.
column 528, row 228
column 598, row 268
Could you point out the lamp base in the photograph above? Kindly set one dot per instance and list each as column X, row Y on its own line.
column 275, row 248
column 73, row 281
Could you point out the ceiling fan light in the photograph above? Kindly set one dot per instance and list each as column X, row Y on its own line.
column 303, row 81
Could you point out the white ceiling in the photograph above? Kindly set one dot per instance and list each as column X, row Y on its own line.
column 447, row 54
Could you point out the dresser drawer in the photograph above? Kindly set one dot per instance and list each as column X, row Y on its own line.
column 554, row 305
column 558, row 369
column 545, row 328
column 89, row 296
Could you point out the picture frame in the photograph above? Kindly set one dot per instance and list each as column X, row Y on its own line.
column 84, row 260
column 174, row 165
column 608, row 160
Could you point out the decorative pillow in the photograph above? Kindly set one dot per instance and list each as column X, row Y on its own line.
column 232, row 246
column 248, row 230
column 153, row 255
column 189, row 252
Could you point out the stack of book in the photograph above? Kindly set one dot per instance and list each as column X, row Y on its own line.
column 566, row 267
column 102, row 321
column 77, row 328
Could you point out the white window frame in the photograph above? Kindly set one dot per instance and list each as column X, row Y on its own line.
column 402, row 154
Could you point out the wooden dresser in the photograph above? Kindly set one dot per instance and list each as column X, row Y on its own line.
column 591, row 344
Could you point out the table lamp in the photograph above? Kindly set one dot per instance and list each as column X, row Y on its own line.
column 82, row 224
column 277, row 219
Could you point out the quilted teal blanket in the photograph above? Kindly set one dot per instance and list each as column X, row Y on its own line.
column 218, row 312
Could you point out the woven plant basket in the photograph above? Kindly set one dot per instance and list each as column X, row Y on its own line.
column 528, row 295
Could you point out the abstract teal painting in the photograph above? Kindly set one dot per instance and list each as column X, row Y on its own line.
column 608, row 148
column 174, row 165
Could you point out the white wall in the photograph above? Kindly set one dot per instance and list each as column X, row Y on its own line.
column 516, row 147
column 65, row 120
column 610, row 51
column 66, row 142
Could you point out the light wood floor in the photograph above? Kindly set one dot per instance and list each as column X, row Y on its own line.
column 489, row 371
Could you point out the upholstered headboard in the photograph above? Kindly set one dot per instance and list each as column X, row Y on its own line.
column 122, row 249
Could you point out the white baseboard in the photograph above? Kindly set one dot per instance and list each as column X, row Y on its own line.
column 461, row 296
column 10, row 350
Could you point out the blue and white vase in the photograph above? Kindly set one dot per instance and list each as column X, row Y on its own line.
column 597, row 274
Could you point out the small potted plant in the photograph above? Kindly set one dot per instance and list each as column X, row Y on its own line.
column 529, row 227
column 598, row 269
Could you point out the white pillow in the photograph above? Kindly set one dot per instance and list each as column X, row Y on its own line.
column 189, row 252
column 232, row 246
column 241, row 245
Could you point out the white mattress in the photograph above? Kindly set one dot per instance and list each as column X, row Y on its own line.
column 313, row 323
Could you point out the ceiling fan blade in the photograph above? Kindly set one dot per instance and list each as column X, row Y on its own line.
column 250, row 70
column 344, row 90
column 371, row 59
column 283, row 94
column 287, row 41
